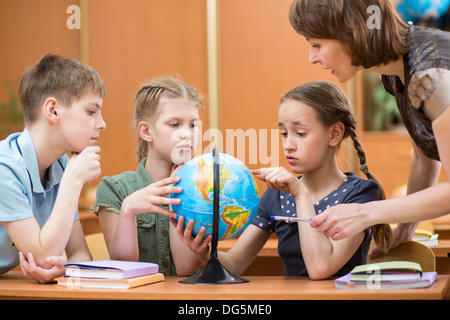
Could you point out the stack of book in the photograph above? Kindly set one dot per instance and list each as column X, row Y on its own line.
column 387, row 275
column 426, row 238
column 110, row 274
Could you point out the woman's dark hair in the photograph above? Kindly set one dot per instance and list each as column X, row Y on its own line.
column 349, row 22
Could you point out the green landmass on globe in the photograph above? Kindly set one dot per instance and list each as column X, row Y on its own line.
column 238, row 195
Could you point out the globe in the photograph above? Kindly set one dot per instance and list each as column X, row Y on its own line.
column 238, row 199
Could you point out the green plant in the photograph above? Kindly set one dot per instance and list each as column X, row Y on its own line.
column 386, row 110
column 11, row 116
column 381, row 107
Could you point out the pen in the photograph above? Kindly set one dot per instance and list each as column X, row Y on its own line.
column 289, row 219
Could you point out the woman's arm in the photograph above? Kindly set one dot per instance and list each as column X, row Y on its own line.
column 345, row 220
column 423, row 173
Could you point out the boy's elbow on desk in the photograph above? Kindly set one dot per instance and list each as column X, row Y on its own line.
column 34, row 259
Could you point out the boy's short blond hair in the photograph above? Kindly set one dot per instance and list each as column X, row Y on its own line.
column 64, row 78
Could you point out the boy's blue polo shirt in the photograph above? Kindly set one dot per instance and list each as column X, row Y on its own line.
column 22, row 195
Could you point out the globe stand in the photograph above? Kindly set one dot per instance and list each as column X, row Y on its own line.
column 214, row 272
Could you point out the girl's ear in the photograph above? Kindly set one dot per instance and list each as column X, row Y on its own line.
column 144, row 131
column 50, row 110
column 336, row 133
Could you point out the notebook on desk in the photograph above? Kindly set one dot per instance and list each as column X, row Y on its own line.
column 110, row 269
column 387, row 275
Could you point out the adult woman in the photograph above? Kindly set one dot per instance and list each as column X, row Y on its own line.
column 414, row 64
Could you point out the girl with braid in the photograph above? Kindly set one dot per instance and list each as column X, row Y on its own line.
column 347, row 36
column 313, row 118
column 133, row 207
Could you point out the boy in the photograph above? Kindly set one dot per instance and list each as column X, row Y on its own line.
column 61, row 99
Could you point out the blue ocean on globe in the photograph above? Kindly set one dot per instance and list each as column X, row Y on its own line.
column 239, row 197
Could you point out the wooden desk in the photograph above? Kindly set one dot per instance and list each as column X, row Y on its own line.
column 442, row 254
column 442, row 226
column 15, row 286
column 442, row 249
column 89, row 221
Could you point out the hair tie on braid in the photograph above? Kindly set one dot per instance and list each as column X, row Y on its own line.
column 161, row 88
column 364, row 169
column 154, row 90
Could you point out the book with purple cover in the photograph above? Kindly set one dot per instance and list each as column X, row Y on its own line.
column 346, row 282
column 110, row 269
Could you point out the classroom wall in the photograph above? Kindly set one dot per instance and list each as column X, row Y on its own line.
column 30, row 29
column 131, row 42
column 260, row 57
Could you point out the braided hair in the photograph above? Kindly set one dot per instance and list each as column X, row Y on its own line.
column 147, row 102
column 332, row 106
column 382, row 233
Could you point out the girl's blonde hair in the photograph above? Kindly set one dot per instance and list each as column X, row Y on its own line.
column 147, row 102
column 332, row 106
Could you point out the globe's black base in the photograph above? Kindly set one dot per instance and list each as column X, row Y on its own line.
column 213, row 273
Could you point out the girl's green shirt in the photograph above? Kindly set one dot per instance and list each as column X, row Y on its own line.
column 152, row 228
